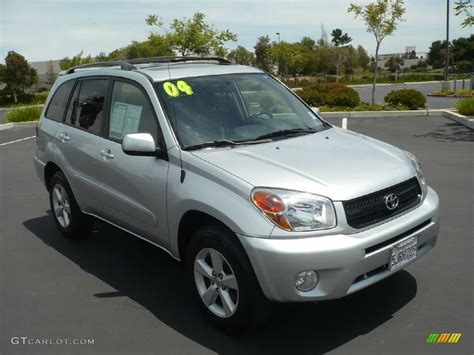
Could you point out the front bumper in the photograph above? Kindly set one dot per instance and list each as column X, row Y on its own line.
column 346, row 263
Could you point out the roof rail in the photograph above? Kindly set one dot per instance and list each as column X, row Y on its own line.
column 176, row 59
column 128, row 64
column 124, row 65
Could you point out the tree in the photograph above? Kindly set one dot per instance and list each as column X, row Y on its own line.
column 50, row 74
column 339, row 39
column 67, row 63
column 193, row 36
column 262, row 55
column 435, row 54
column 339, row 51
column 308, row 43
column 394, row 64
column 464, row 7
column 241, row 55
column 290, row 58
column 17, row 74
column 381, row 18
column 339, row 57
column 463, row 49
column 362, row 57
column 101, row 57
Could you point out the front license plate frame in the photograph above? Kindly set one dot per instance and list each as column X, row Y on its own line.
column 403, row 253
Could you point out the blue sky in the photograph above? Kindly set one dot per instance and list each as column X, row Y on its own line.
column 44, row 29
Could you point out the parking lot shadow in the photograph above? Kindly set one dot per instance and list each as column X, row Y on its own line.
column 450, row 132
column 148, row 276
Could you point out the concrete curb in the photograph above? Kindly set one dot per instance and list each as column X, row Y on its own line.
column 465, row 121
column 9, row 125
column 380, row 114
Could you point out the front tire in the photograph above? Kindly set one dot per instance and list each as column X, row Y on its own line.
column 223, row 281
column 71, row 222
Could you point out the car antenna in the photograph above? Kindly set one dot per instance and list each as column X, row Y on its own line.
column 183, row 172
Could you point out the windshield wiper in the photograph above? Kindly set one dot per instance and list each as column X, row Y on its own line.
column 218, row 143
column 286, row 132
column 225, row 143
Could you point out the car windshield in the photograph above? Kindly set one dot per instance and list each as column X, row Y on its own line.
column 233, row 109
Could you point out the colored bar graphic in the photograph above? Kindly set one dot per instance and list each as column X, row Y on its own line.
column 441, row 338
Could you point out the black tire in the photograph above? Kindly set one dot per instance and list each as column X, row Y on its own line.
column 252, row 308
column 80, row 225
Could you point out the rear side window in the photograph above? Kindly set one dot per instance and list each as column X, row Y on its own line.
column 88, row 107
column 58, row 103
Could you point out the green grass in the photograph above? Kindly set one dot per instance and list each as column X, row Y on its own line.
column 466, row 106
column 459, row 93
column 24, row 114
column 363, row 106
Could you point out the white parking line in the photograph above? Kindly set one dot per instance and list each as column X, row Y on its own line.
column 18, row 140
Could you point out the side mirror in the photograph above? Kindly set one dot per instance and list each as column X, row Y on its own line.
column 139, row 144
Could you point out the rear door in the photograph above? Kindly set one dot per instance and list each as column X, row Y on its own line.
column 133, row 188
column 79, row 138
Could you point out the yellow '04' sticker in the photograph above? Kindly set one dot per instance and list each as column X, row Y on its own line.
column 174, row 90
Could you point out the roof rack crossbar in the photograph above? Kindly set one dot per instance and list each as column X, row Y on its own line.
column 124, row 65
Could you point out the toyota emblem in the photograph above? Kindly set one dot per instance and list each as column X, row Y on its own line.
column 391, row 201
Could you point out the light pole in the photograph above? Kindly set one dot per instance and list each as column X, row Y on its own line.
column 278, row 34
column 446, row 68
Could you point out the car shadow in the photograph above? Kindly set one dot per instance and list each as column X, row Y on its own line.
column 450, row 132
column 154, row 280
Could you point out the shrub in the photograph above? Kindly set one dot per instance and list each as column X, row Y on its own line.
column 23, row 114
column 313, row 95
column 466, row 106
column 413, row 99
column 332, row 94
column 342, row 96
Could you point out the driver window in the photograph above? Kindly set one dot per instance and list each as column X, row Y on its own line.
column 130, row 112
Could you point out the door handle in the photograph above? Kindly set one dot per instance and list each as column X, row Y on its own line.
column 63, row 137
column 107, row 154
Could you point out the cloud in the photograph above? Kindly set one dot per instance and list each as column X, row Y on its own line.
column 45, row 29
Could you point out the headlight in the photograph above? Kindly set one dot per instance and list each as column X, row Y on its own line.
column 419, row 173
column 295, row 211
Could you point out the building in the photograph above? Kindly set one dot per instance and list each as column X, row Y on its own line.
column 410, row 56
column 42, row 69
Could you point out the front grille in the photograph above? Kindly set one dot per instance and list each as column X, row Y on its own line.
column 369, row 209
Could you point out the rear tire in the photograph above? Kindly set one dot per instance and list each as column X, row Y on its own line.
column 69, row 219
column 223, row 281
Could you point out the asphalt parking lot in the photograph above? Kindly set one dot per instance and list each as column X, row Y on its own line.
column 129, row 297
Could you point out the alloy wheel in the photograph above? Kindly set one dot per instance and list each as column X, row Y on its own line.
column 216, row 283
column 61, row 206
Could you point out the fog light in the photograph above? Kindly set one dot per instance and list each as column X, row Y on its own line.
column 306, row 280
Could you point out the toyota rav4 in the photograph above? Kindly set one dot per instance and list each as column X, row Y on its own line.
column 228, row 170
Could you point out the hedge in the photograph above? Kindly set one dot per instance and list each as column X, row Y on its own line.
column 410, row 98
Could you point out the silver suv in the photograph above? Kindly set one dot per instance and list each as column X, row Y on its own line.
column 228, row 170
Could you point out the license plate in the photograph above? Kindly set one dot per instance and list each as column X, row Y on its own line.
column 403, row 252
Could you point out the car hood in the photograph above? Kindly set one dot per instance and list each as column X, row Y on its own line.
column 335, row 163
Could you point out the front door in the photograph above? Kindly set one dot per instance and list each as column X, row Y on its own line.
column 133, row 188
